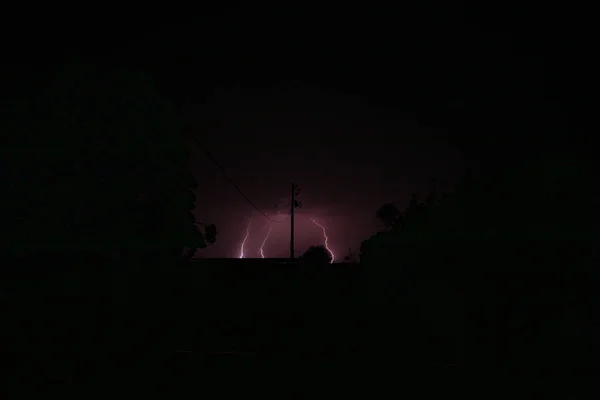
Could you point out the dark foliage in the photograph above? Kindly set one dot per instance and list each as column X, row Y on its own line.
column 524, row 241
column 101, row 164
column 317, row 255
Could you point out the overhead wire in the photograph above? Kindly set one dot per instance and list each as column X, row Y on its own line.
column 218, row 165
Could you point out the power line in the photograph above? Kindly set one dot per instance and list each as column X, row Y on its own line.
column 234, row 184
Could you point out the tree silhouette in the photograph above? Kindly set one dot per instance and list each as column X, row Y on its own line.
column 109, row 169
column 501, row 230
column 389, row 215
column 316, row 255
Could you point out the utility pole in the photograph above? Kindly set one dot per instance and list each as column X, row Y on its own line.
column 292, row 221
column 294, row 204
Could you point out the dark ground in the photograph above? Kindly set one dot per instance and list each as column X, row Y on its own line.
column 202, row 323
column 240, row 326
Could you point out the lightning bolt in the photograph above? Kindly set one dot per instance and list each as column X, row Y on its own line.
column 326, row 239
column 244, row 241
column 262, row 255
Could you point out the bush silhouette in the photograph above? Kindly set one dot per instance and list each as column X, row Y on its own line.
column 316, row 255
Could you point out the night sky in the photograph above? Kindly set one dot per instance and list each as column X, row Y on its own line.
column 294, row 103
column 357, row 107
column 347, row 156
